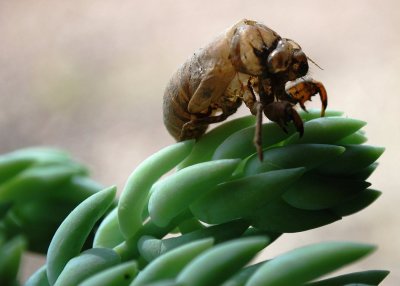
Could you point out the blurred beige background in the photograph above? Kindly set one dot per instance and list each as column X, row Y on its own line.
column 88, row 77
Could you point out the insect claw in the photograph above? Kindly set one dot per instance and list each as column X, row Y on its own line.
column 298, row 122
column 304, row 90
column 323, row 95
column 282, row 124
column 303, row 107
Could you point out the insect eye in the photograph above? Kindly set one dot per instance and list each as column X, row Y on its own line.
column 278, row 61
column 300, row 65
column 280, row 58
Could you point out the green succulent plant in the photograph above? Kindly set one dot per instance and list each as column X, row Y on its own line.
column 205, row 222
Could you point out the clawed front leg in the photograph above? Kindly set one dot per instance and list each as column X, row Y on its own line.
column 302, row 91
column 282, row 112
column 279, row 107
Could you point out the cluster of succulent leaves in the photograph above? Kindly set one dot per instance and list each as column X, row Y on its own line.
column 39, row 187
column 205, row 222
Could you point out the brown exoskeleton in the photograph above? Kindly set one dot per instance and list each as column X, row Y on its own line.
column 250, row 63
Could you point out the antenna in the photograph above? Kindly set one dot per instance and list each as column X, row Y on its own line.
column 315, row 63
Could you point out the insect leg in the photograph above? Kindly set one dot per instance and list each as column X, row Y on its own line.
column 304, row 90
column 256, row 108
column 250, row 98
column 199, row 122
column 283, row 112
column 258, row 133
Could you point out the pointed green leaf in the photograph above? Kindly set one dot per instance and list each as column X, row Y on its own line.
column 38, row 278
column 108, row 234
column 77, row 189
column 356, row 203
column 10, row 259
column 239, row 198
column 87, row 264
column 10, row 166
column 220, row 262
column 38, row 221
column 355, row 158
column 150, row 247
column 134, row 197
column 307, row 263
column 371, row 277
column 240, row 144
column 74, row 230
column 241, row 277
column 119, row 275
column 41, row 155
column 175, row 193
column 362, row 174
column 279, row 216
column 292, row 156
column 170, row 264
column 314, row 113
column 326, row 130
column 316, row 192
column 355, row 138
column 36, row 182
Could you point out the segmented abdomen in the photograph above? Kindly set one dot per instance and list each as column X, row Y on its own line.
column 176, row 99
